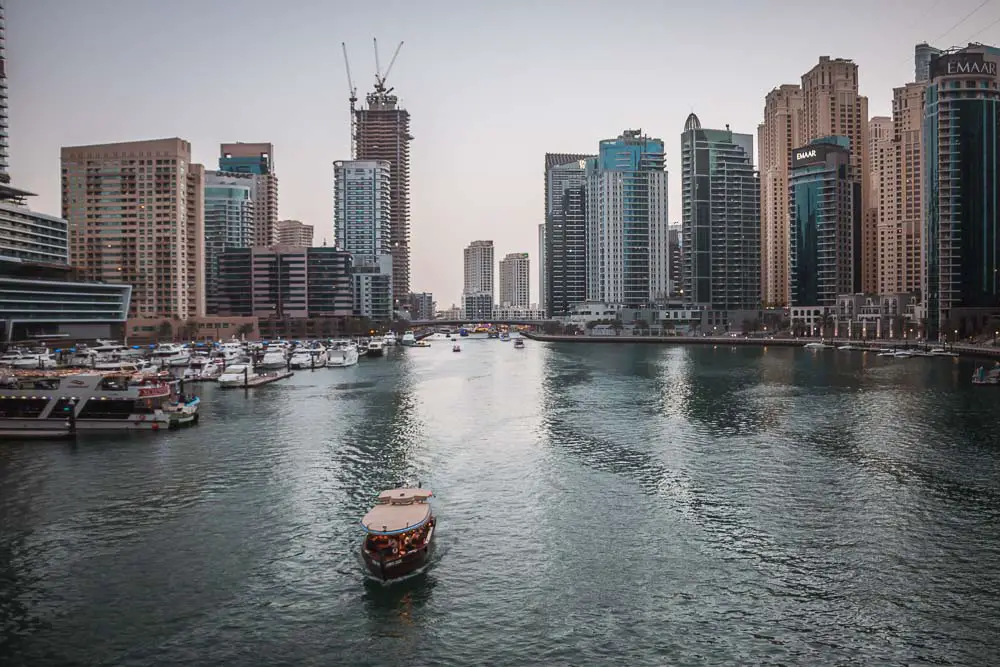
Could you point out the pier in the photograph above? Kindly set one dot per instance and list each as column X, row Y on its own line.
column 260, row 380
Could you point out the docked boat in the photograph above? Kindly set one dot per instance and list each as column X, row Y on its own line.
column 183, row 412
column 170, row 354
column 817, row 346
column 342, row 354
column 314, row 357
column 941, row 352
column 408, row 339
column 376, row 347
column 39, row 359
column 902, row 354
column 400, row 533
column 238, row 375
column 848, row 347
column 389, row 339
column 518, row 343
column 456, row 348
column 275, row 357
column 42, row 404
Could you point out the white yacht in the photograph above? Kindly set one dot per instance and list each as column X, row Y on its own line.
column 170, row 354
column 210, row 371
column 408, row 339
column 231, row 351
column 817, row 346
column 376, row 347
column 11, row 357
column 941, row 352
column 39, row 359
column 902, row 354
column 87, row 401
column 312, row 357
column 342, row 353
column 848, row 347
column 275, row 357
column 389, row 339
column 238, row 375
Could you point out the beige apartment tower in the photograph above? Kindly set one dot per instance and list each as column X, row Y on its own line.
column 136, row 215
column 293, row 232
column 776, row 137
column 901, row 208
column 833, row 107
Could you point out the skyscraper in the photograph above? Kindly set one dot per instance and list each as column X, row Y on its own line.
column 676, row 260
column 515, row 291
column 962, row 201
column 565, row 256
column 541, row 266
column 923, row 53
column 362, row 223
column 881, row 193
column 153, row 238
column 477, row 288
column 294, row 232
column 256, row 159
column 720, row 193
column 776, row 137
column 908, row 182
column 831, row 106
column 383, row 134
column 825, row 210
column 4, row 157
column 229, row 223
column 627, row 251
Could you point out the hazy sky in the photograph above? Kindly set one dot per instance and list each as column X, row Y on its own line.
column 491, row 87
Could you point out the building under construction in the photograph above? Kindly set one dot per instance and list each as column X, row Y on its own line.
column 382, row 132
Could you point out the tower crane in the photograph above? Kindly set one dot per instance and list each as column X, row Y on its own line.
column 353, row 98
column 381, row 78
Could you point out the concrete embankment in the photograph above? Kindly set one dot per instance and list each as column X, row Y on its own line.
column 978, row 351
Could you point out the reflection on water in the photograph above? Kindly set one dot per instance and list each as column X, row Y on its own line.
column 765, row 505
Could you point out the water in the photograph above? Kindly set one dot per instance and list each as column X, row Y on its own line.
column 598, row 504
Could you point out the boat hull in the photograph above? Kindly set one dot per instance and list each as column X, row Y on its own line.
column 396, row 568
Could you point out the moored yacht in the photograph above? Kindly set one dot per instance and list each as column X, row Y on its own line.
column 313, row 357
column 389, row 339
column 241, row 374
column 57, row 404
column 941, row 352
column 170, row 354
column 399, row 536
column 342, row 354
column 376, row 347
column 276, row 356
column 39, row 359
column 818, row 345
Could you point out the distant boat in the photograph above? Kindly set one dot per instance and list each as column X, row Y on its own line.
column 456, row 348
column 518, row 343
column 408, row 339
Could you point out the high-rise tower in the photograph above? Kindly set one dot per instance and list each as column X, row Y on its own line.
column 4, row 176
column 720, row 194
column 565, row 257
column 961, row 157
column 382, row 133
column 256, row 159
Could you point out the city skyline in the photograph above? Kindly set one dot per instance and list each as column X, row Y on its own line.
column 312, row 133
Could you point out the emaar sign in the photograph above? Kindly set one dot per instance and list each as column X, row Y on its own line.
column 810, row 155
column 963, row 64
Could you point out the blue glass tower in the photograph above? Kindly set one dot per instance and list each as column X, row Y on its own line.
column 961, row 167
column 825, row 217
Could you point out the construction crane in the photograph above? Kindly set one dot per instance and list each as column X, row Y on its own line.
column 380, row 78
column 353, row 97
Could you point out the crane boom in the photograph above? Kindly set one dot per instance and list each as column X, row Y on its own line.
column 378, row 66
column 353, row 98
column 350, row 80
column 391, row 62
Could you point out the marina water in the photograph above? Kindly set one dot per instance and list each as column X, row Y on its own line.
column 597, row 504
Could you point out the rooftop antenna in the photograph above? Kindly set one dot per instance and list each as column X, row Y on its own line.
column 353, row 97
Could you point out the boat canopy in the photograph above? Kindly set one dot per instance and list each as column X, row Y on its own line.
column 398, row 511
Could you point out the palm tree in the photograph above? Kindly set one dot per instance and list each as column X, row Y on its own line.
column 617, row 325
column 244, row 329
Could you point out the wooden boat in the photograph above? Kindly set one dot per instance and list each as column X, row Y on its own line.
column 400, row 533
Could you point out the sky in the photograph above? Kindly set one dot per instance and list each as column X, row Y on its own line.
column 491, row 87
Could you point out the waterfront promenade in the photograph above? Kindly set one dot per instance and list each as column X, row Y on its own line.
column 964, row 349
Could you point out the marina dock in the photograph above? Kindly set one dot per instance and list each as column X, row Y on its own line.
column 260, row 380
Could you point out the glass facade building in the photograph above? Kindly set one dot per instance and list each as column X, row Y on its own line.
column 564, row 258
column 363, row 226
column 627, row 222
column 961, row 168
column 720, row 192
column 285, row 282
column 229, row 223
column 825, row 210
